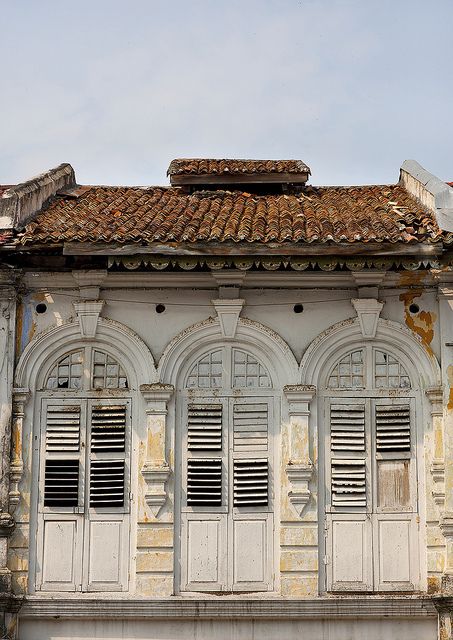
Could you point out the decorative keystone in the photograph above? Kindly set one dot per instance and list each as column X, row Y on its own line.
column 156, row 494
column 228, row 312
column 299, row 476
column 88, row 313
column 368, row 311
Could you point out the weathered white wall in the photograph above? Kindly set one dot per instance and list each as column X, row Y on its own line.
column 333, row 629
column 298, row 536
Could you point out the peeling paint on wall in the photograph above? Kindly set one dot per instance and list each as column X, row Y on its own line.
column 25, row 320
column 421, row 323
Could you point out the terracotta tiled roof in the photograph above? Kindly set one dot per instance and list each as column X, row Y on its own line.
column 167, row 215
column 4, row 187
column 202, row 166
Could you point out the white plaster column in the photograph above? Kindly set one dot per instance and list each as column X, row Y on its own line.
column 20, row 397
column 156, row 469
column 299, row 467
column 437, row 466
column 446, row 328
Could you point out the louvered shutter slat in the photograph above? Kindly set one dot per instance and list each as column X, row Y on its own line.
column 62, row 429
column 347, row 427
column 250, row 482
column 107, row 483
column 250, row 427
column 204, row 483
column 393, row 428
column 204, row 427
column 108, row 428
column 348, row 483
column 61, row 483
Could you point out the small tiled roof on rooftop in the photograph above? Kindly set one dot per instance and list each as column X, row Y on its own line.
column 207, row 166
column 378, row 213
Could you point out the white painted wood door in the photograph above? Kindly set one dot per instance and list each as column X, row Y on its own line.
column 371, row 494
column 83, row 510
column 227, row 523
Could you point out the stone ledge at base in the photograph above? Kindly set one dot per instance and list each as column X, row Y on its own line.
column 184, row 608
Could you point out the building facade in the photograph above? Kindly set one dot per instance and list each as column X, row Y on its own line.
column 226, row 406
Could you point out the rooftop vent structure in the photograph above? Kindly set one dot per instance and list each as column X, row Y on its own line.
column 255, row 175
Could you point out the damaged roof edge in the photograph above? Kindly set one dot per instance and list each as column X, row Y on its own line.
column 431, row 191
column 19, row 203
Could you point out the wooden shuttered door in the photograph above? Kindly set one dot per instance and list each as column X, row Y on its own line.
column 372, row 495
column 226, row 505
column 84, row 483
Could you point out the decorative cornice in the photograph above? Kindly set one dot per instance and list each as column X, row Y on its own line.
column 410, row 257
column 211, row 608
column 157, row 392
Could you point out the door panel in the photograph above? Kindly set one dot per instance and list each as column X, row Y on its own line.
column 252, row 557
column 59, row 565
column 204, row 536
column 397, row 558
column 106, row 553
column 350, row 553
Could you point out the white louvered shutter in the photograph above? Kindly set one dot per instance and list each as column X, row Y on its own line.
column 107, row 528
column 348, row 500
column 252, row 523
column 204, row 511
column 61, row 484
column 396, row 527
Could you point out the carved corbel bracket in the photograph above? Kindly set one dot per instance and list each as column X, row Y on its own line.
column 156, row 494
column 368, row 311
column 156, row 470
column 299, row 475
column 228, row 312
column 20, row 397
column 438, row 476
column 446, row 525
column 88, row 313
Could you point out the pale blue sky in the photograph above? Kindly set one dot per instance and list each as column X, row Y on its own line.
column 119, row 88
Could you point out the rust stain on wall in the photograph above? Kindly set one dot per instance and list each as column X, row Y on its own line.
column 450, row 384
column 421, row 323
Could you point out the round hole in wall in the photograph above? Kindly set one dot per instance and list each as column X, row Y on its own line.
column 298, row 308
column 160, row 308
column 414, row 308
column 41, row 308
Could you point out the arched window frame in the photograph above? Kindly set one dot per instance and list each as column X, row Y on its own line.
column 31, row 373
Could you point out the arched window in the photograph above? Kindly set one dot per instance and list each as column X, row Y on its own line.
column 371, row 473
column 227, row 462
column 84, row 474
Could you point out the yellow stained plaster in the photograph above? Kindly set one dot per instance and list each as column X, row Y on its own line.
column 436, row 561
column 18, row 559
column 421, row 323
column 19, row 582
column 20, row 538
column 157, row 586
column 299, row 587
column 155, row 537
column 304, row 560
column 450, row 385
column 434, row 584
column 299, row 536
column 155, row 561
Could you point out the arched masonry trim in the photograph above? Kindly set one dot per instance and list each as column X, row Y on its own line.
column 111, row 336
